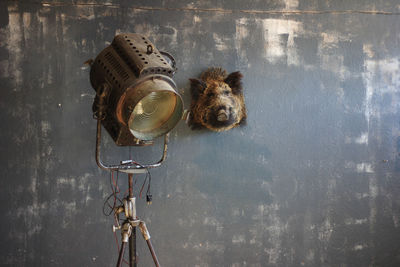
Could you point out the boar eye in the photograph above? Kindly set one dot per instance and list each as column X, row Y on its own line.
column 226, row 92
column 211, row 94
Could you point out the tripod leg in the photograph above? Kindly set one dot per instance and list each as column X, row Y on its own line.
column 121, row 254
column 153, row 254
column 132, row 215
column 132, row 248
column 126, row 231
column 146, row 236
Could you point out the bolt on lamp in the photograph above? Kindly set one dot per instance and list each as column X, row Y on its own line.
column 136, row 101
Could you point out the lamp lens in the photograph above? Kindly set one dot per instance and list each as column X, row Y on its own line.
column 151, row 114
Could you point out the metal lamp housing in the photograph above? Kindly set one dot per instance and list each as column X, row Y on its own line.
column 140, row 98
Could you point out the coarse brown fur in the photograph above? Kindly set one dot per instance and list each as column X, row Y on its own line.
column 217, row 101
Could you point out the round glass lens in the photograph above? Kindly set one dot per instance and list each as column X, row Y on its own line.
column 151, row 113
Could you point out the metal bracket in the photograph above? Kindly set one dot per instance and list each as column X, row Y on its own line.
column 127, row 166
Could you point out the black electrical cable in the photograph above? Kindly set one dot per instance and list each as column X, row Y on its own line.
column 148, row 193
column 114, row 195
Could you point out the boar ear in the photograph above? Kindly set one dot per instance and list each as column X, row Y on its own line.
column 194, row 125
column 196, row 88
column 234, row 80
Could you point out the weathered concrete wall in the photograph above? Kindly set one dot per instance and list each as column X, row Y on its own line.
column 312, row 180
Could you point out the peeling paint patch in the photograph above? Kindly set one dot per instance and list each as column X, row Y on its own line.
column 373, row 187
column 31, row 216
column 331, row 60
column 310, row 255
column 329, row 40
column 46, row 127
column 220, row 42
column 381, row 79
column 197, row 19
column 165, row 34
column 396, row 220
column 361, row 196
column 363, row 139
column 364, row 167
column 352, row 221
column 279, row 40
column 360, row 140
column 85, row 13
column 359, row 247
column 325, row 231
column 76, row 183
column 274, row 228
column 291, row 4
column 211, row 221
column 238, row 239
column 14, row 40
column 368, row 50
column 241, row 40
column 279, row 37
column 69, row 209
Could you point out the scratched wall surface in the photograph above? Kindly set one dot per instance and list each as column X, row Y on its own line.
column 312, row 180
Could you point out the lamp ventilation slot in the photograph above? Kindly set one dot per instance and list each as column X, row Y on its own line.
column 116, row 66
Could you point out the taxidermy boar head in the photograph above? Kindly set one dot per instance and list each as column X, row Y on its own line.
column 217, row 101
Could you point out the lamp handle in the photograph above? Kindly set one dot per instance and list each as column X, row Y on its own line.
column 171, row 59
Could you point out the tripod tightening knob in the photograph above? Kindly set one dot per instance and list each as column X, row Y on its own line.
column 126, row 232
column 115, row 228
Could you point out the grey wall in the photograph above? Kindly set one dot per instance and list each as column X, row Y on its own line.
column 312, row 180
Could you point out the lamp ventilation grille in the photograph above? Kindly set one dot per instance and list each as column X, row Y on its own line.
column 116, row 66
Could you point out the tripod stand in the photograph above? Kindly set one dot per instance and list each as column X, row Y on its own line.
column 128, row 229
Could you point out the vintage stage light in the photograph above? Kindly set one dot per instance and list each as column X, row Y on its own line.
column 140, row 98
column 136, row 101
